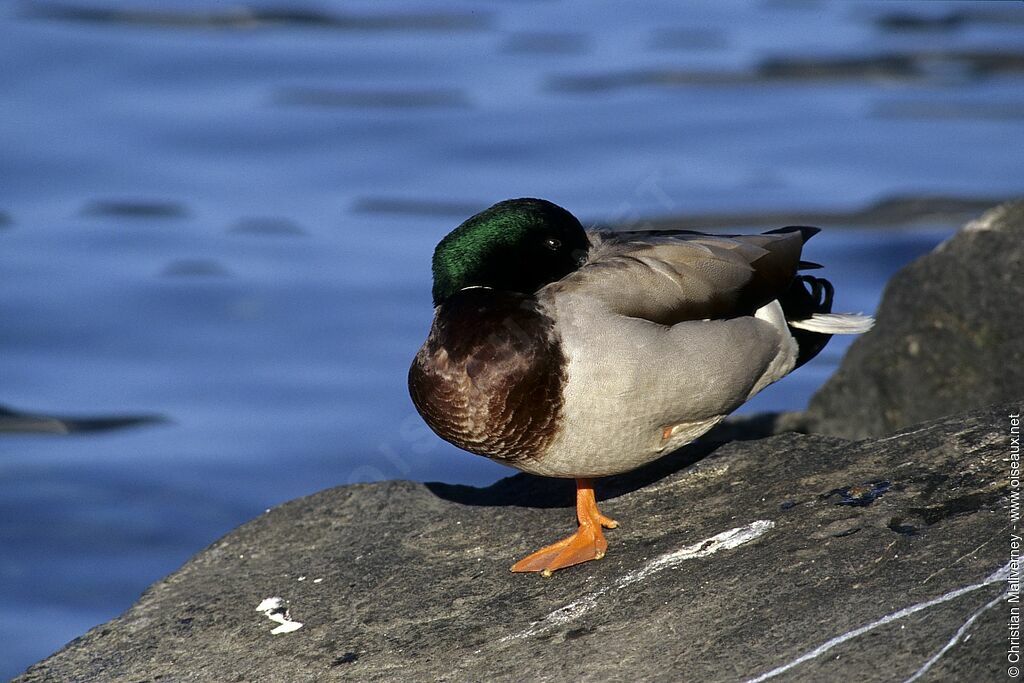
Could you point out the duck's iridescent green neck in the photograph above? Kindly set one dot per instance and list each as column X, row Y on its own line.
column 517, row 245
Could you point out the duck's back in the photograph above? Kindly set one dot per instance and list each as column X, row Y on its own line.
column 670, row 277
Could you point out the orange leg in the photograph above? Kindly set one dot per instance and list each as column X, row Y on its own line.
column 586, row 544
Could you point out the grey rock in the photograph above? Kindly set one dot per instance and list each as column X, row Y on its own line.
column 732, row 561
column 949, row 337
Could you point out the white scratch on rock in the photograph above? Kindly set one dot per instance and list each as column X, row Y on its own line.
column 996, row 577
column 724, row 541
column 275, row 610
column 727, row 540
column 901, row 435
column 956, row 638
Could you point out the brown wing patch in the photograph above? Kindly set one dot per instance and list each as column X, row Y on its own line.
column 489, row 377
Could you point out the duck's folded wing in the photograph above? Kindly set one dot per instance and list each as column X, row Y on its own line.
column 671, row 277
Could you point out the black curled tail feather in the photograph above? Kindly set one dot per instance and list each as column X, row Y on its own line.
column 806, row 231
column 806, row 296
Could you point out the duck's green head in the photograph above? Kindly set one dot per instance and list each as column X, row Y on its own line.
column 518, row 245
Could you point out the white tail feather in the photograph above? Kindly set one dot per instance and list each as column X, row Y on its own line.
column 835, row 323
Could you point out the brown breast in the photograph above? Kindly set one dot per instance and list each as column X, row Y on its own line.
column 489, row 377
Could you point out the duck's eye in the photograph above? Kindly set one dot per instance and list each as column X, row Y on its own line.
column 553, row 244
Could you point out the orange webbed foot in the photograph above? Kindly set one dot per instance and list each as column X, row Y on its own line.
column 588, row 543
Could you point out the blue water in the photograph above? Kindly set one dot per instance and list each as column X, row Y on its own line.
column 229, row 224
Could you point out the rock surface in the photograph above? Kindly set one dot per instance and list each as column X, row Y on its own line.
column 949, row 336
column 732, row 561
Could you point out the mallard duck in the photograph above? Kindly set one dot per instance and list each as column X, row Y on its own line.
column 581, row 354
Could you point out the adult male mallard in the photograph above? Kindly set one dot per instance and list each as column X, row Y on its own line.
column 577, row 354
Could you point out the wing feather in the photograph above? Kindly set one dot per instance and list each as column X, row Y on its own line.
column 671, row 277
